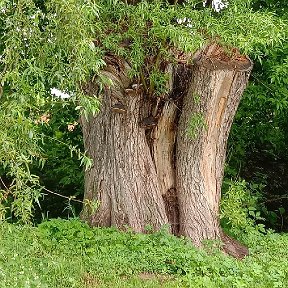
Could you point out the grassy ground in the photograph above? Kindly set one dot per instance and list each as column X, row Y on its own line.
column 61, row 253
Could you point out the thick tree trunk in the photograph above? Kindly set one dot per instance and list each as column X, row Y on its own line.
column 123, row 178
column 159, row 160
column 216, row 86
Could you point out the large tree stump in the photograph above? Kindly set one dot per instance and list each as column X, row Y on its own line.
column 160, row 160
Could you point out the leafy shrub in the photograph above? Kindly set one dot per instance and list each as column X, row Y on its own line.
column 62, row 172
column 62, row 253
column 240, row 209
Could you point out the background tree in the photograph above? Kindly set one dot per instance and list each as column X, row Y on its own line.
column 258, row 140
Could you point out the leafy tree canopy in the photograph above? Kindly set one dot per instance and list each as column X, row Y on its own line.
column 62, row 44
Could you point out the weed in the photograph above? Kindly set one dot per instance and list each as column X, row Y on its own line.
column 62, row 253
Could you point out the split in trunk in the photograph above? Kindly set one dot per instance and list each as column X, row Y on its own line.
column 159, row 160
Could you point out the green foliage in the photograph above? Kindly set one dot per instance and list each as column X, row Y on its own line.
column 278, row 6
column 261, row 121
column 61, row 173
column 62, row 44
column 241, row 209
column 258, row 141
column 196, row 125
column 18, row 149
column 38, row 54
column 262, row 113
column 61, row 253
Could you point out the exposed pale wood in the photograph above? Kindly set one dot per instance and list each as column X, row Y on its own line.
column 163, row 140
column 163, row 146
column 200, row 161
column 163, row 154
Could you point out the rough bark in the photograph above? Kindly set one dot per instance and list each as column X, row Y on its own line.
column 123, row 178
column 217, row 84
column 147, row 169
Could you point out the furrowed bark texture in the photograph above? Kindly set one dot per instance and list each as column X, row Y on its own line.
column 160, row 160
column 208, row 110
column 123, row 178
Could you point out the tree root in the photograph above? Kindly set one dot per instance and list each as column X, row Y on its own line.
column 232, row 247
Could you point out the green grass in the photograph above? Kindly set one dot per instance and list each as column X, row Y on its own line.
column 61, row 253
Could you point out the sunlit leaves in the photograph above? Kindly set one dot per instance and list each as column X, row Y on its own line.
column 62, row 44
column 42, row 49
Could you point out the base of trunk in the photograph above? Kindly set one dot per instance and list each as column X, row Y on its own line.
column 232, row 247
